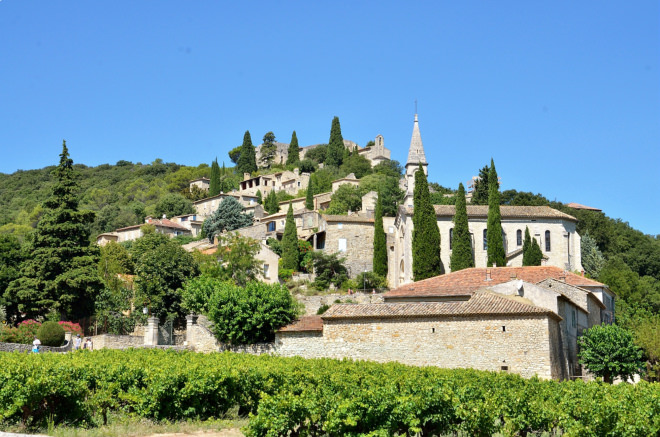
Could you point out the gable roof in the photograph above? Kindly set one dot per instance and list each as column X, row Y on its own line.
column 307, row 323
column 506, row 212
column 162, row 223
column 482, row 303
column 347, row 218
column 579, row 206
column 465, row 282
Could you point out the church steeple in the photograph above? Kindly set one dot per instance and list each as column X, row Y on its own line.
column 416, row 158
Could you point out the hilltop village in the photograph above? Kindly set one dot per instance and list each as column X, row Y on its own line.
column 525, row 320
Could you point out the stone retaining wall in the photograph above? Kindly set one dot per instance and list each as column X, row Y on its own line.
column 16, row 347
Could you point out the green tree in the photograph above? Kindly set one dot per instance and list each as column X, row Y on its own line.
column 237, row 254
column 309, row 196
column 11, row 257
column 592, row 258
column 329, row 269
column 461, row 255
column 380, row 241
column 271, row 203
column 335, row 152
column 172, row 205
column 268, row 149
column 356, row 164
column 527, row 245
column 161, row 272
column 494, row 234
column 388, row 188
column 260, row 199
column 247, row 160
column 346, row 198
column 318, row 153
column 60, row 271
column 293, row 156
column 609, row 351
column 235, row 154
column 426, row 235
column 481, row 191
column 250, row 314
column 214, row 184
column 228, row 217
column 290, row 252
column 196, row 293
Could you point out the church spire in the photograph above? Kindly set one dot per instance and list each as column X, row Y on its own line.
column 416, row 152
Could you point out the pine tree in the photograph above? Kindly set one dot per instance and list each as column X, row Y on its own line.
column 527, row 244
column 593, row 260
column 247, row 161
column 215, row 184
column 380, row 242
column 494, row 234
column 290, row 242
column 268, row 149
column 426, row 236
column 309, row 197
column 61, row 270
column 293, row 156
column 481, row 187
column 461, row 255
column 335, row 153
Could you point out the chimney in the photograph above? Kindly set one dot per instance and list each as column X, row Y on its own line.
column 246, row 176
column 488, row 277
column 148, row 219
column 582, row 272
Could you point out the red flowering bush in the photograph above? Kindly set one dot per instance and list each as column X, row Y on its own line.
column 74, row 328
column 24, row 333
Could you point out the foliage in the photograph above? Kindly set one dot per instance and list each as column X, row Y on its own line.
column 592, row 258
column 197, row 292
column 461, row 254
column 329, row 269
column 346, row 198
column 322, row 309
column 369, row 281
column 387, row 187
column 271, row 204
column 628, row 285
column 228, row 217
column 172, row 205
column 307, row 166
column 247, row 160
column 51, row 334
column 322, row 179
column 309, row 197
column 214, row 183
column 356, row 164
column 235, row 154
column 426, row 236
column 335, row 152
column 317, row 154
column 237, row 254
column 532, row 255
column 379, row 260
column 11, row 257
column 496, row 255
column 390, row 168
column 275, row 245
column 290, row 253
column 161, row 270
column 645, row 327
column 250, row 314
column 322, row 396
column 268, row 149
column 60, row 271
column 609, row 351
column 293, row 153
column 284, row 275
column 481, row 192
column 23, row 333
column 73, row 328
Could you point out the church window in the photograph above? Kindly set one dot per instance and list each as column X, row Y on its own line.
column 485, row 239
column 451, row 237
column 519, row 238
column 547, row 241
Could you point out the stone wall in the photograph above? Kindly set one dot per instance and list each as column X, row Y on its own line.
column 109, row 341
column 16, row 347
column 313, row 303
column 253, row 349
column 516, row 344
column 358, row 240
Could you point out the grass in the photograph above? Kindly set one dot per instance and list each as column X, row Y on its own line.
column 124, row 425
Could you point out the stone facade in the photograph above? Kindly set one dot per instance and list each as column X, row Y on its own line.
column 289, row 181
column 130, row 233
column 109, row 341
column 353, row 238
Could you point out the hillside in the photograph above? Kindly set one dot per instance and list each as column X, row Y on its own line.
column 123, row 194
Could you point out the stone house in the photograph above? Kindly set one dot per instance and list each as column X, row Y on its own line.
column 289, row 181
column 376, row 153
column 201, row 183
column 348, row 179
column 191, row 222
column 269, row 260
column 129, row 233
column 205, row 207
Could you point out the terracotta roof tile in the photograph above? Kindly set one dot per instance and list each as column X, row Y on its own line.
column 579, row 206
column 164, row 223
column 482, row 302
column 464, row 282
column 307, row 323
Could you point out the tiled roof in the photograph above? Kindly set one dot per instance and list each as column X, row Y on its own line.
column 163, row 223
column 578, row 206
column 481, row 303
column 466, row 281
column 307, row 323
column 216, row 196
column 531, row 212
column 347, row 218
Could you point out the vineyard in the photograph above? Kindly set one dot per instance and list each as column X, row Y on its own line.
column 295, row 396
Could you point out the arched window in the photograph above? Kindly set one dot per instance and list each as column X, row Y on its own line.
column 547, row 241
column 485, row 239
column 519, row 240
column 451, row 237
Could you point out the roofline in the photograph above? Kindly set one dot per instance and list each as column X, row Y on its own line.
column 549, row 313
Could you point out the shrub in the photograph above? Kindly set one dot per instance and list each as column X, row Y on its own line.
column 71, row 327
column 323, row 308
column 24, row 333
column 285, row 274
column 51, row 334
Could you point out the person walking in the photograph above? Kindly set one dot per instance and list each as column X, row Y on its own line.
column 36, row 344
column 77, row 342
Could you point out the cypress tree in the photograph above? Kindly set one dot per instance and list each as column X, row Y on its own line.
column 527, row 244
column 496, row 253
column 259, row 197
column 215, row 185
column 271, row 205
column 293, row 155
column 426, row 235
column 60, row 272
column 247, row 161
column 535, row 256
column 290, row 242
column 380, row 241
column 309, row 197
column 335, row 152
column 461, row 255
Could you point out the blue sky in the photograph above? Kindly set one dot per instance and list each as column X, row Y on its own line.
column 565, row 96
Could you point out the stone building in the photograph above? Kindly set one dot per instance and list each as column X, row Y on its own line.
column 288, row 181
column 129, row 233
column 201, row 183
